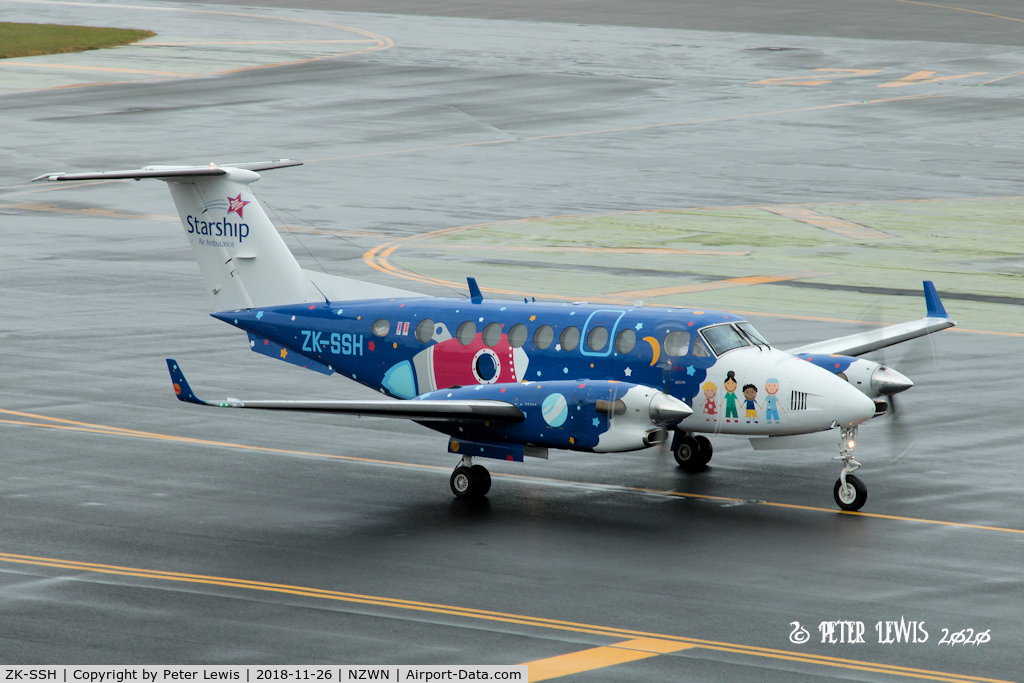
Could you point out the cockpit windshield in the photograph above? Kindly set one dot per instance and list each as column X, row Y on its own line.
column 723, row 338
column 754, row 335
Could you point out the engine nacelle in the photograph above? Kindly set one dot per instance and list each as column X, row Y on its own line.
column 871, row 378
column 601, row 416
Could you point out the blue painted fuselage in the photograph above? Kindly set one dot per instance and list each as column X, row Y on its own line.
column 411, row 347
column 340, row 337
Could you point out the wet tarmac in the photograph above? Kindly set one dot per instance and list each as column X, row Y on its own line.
column 226, row 537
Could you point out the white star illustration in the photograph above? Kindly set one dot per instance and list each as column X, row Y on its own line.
column 629, row 373
column 481, row 319
column 639, row 326
column 558, row 347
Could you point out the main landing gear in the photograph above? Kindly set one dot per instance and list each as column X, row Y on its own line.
column 850, row 492
column 470, row 481
column 692, row 453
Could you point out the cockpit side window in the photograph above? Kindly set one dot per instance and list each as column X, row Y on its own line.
column 722, row 338
column 699, row 349
column 754, row 335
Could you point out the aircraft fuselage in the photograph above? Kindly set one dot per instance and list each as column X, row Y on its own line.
column 412, row 347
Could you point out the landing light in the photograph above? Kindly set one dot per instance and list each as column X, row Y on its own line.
column 850, row 444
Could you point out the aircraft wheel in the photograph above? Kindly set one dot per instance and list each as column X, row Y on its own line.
column 852, row 496
column 481, row 479
column 462, row 482
column 688, row 454
column 706, row 449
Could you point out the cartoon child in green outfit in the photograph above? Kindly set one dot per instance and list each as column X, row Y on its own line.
column 730, row 385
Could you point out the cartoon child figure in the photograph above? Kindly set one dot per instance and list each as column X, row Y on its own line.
column 710, row 405
column 771, row 402
column 730, row 396
column 750, row 394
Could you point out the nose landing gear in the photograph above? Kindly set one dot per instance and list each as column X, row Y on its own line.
column 470, row 481
column 850, row 492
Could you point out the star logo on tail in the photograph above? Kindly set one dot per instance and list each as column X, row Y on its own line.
column 236, row 204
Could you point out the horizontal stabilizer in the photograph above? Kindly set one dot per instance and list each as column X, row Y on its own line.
column 424, row 411
column 872, row 340
column 171, row 171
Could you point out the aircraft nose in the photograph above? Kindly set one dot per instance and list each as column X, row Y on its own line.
column 886, row 381
column 669, row 410
column 852, row 406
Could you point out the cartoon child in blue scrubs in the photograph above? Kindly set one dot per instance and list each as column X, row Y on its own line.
column 771, row 402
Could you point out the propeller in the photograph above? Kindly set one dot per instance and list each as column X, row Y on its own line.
column 913, row 361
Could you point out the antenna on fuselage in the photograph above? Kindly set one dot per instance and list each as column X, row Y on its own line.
column 474, row 291
column 321, row 293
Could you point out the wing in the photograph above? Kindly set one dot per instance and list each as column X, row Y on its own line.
column 445, row 411
column 935, row 319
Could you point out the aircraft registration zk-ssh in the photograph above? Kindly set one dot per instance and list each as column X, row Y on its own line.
column 509, row 379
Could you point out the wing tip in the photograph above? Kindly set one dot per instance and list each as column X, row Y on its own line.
column 181, row 388
column 933, row 302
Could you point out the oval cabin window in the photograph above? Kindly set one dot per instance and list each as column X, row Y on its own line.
column 569, row 339
column 425, row 330
column 597, row 338
column 543, row 337
column 466, row 333
column 491, row 334
column 625, row 341
column 517, row 335
column 677, row 343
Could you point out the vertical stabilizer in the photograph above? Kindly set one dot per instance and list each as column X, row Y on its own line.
column 243, row 259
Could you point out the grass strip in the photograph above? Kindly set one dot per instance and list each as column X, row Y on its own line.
column 26, row 40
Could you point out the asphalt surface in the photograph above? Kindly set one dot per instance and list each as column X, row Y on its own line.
column 97, row 289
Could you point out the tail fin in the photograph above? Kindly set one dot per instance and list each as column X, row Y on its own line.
column 243, row 260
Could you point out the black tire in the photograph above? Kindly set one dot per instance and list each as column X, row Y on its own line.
column 706, row 449
column 463, row 482
column 481, row 479
column 855, row 495
column 688, row 454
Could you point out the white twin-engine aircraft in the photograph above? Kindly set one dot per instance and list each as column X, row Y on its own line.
column 507, row 379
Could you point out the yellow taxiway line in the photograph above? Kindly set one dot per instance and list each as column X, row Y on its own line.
column 639, row 644
column 594, row 250
column 960, row 9
column 90, row 428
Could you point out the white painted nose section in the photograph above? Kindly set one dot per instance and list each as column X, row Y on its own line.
column 852, row 406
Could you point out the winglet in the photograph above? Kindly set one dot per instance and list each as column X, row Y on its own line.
column 181, row 388
column 931, row 298
column 474, row 291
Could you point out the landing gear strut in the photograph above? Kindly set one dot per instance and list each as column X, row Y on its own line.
column 850, row 492
column 692, row 453
column 470, row 481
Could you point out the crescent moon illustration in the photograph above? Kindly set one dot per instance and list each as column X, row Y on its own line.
column 656, row 346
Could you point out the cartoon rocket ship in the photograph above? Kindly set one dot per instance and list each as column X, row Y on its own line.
column 447, row 362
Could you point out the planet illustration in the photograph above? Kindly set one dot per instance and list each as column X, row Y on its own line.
column 555, row 410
